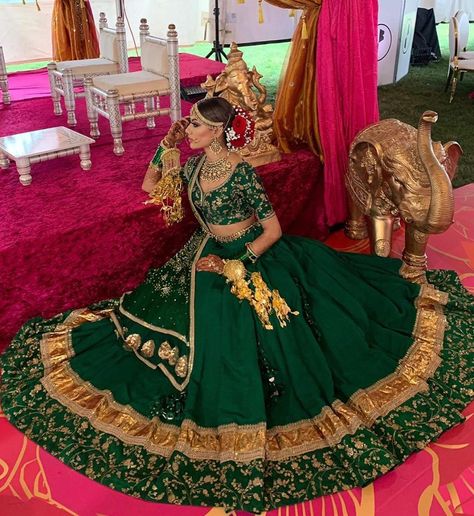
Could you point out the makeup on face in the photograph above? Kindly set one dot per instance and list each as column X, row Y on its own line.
column 199, row 135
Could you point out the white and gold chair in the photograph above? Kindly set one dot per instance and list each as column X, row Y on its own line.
column 463, row 35
column 459, row 63
column 66, row 78
column 116, row 96
column 4, row 79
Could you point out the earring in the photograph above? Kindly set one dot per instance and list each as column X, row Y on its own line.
column 215, row 146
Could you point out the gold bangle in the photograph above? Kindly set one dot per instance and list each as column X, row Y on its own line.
column 252, row 255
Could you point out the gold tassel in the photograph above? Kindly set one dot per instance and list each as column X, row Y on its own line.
column 168, row 189
column 304, row 29
column 241, row 1
column 263, row 300
column 292, row 13
column 260, row 12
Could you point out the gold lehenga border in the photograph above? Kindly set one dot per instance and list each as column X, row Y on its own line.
column 244, row 443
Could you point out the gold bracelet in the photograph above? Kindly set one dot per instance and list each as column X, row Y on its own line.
column 252, row 255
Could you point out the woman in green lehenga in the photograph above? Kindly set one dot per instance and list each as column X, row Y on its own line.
column 252, row 370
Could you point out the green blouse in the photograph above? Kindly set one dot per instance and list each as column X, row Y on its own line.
column 241, row 196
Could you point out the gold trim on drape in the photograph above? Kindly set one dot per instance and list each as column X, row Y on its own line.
column 73, row 31
column 244, row 443
column 296, row 118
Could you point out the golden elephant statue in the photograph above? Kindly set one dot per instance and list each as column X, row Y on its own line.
column 396, row 171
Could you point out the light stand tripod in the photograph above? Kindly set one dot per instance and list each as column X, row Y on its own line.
column 217, row 46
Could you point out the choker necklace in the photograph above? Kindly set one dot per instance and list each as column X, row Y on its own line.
column 215, row 170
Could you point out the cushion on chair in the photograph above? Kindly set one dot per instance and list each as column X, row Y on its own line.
column 466, row 64
column 109, row 47
column 88, row 66
column 132, row 82
column 155, row 57
column 469, row 54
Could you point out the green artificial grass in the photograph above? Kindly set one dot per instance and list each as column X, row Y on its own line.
column 423, row 89
column 420, row 90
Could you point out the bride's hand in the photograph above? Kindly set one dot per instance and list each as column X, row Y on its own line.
column 210, row 263
column 177, row 132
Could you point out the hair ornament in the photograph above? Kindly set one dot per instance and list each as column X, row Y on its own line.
column 241, row 131
column 195, row 113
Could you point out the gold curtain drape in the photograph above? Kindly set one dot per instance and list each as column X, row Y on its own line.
column 295, row 118
column 73, row 30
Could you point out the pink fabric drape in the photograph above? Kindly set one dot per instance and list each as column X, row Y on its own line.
column 346, row 75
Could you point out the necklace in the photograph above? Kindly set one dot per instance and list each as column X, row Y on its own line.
column 215, row 170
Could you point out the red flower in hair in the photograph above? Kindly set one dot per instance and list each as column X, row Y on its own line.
column 242, row 130
column 239, row 141
column 239, row 124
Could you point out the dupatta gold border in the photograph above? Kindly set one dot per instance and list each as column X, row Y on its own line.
column 244, row 443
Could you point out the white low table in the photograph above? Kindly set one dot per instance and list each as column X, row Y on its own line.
column 43, row 145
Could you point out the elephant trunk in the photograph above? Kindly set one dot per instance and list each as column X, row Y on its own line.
column 441, row 210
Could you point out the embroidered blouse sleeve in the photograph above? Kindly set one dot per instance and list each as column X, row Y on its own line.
column 187, row 169
column 255, row 194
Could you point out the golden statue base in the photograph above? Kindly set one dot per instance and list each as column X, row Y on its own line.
column 260, row 151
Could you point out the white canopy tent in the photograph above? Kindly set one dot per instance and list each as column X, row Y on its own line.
column 445, row 9
column 25, row 32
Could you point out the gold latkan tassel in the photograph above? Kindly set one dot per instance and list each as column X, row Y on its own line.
column 292, row 13
column 263, row 300
column 260, row 12
column 241, row 1
column 169, row 188
column 304, row 29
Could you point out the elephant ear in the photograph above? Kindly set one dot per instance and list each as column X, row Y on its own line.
column 453, row 152
column 366, row 158
column 221, row 83
column 365, row 173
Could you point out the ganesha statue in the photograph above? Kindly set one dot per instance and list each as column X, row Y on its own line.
column 396, row 171
column 242, row 87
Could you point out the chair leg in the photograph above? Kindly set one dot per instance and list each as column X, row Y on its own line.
column 4, row 79
column 4, row 161
column 92, row 114
column 115, row 119
column 149, row 105
column 54, row 94
column 69, row 99
column 4, row 87
column 454, row 84
column 448, row 81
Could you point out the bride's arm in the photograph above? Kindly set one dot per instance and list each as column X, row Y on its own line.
column 175, row 136
column 271, row 234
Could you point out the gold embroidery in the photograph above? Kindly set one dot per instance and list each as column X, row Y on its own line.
column 243, row 443
column 148, row 348
column 133, row 341
column 181, row 367
column 166, row 352
column 148, row 325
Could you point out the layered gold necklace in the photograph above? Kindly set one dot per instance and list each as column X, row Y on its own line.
column 215, row 170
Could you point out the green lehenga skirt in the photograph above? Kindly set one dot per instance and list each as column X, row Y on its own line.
column 176, row 393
